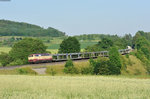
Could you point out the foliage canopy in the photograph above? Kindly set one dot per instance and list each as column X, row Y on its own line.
column 5, row 59
column 69, row 68
column 115, row 62
column 69, row 45
column 25, row 47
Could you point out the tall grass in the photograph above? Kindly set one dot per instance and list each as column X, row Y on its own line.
column 84, row 87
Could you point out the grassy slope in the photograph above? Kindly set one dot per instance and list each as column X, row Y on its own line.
column 135, row 67
column 72, row 87
column 138, row 66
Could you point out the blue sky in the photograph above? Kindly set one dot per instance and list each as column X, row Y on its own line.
column 77, row 17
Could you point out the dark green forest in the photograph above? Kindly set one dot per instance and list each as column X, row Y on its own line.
column 11, row 28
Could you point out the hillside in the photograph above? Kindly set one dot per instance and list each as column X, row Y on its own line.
column 11, row 28
column 133, row 66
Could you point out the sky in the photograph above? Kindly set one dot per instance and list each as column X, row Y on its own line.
column 76, row 17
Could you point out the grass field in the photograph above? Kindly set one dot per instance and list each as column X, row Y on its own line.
column 52, row 46
column 5, row 49
column 72, row 87
column 83, row 45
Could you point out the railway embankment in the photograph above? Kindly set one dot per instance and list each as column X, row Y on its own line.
column 132, row 66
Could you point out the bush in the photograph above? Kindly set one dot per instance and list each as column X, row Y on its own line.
column 92, row 62
column 100, row 66
column 127, row 55
column 25, row 70
column 132, row 53
column 71, row 70
column 50, row 71
column 69, row 63
column 104, row 68
column 87, row 70
column 16, row 62
column 115, row 62
column 5, row 59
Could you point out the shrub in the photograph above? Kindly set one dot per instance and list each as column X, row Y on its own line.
column 25, row 70
column 132, row 53
column 5, row 59
column 50, row 71
column 71, row 70
column 127, row 55
column 100, row 66
column 104, row 68
column 92, row 62
column 16, row 62
column 87, row 70
column 115, row 62
column 69, row 63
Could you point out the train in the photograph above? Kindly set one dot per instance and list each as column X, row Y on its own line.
column 46, row 57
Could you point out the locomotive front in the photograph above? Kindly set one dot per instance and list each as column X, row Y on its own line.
column 40, row 58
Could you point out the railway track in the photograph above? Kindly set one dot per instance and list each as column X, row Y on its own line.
column 60, row 60
column 40, row 64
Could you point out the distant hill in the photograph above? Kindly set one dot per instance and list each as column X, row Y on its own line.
column 11, row 28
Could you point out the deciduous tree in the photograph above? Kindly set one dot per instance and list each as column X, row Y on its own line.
column 69, row 45
column 25, row 47
column 115, row 62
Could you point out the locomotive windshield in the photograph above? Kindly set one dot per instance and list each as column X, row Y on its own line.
column 38, row 55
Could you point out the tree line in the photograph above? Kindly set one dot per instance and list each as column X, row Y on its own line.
column 118, row 41
column 112, row 65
